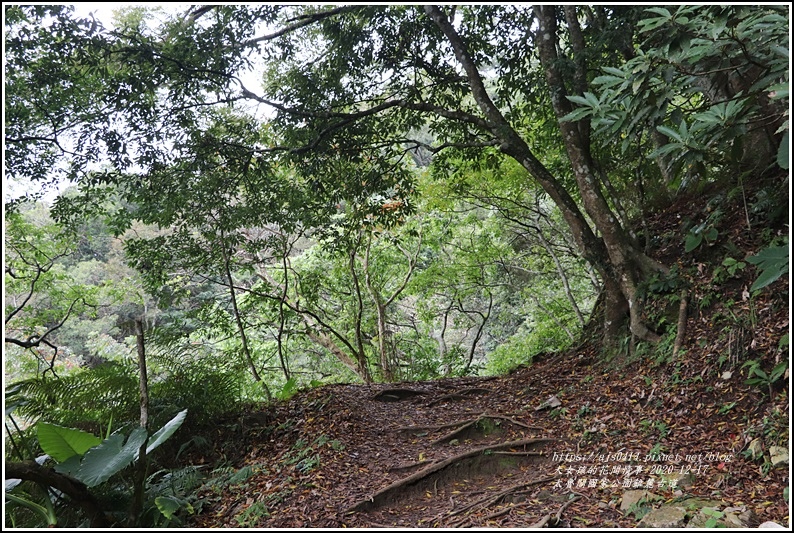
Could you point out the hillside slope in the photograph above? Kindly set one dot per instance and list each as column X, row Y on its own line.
column 485, row 452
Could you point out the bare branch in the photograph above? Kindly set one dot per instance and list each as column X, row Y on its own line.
column 302, row 21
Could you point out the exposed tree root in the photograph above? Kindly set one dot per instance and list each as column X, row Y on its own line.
column 382, row 495
column 553, row 520
column 396, row 395
column 410, row 466
column 458, row 396
column 493, row 499
column 460, row 431
column 462, row 426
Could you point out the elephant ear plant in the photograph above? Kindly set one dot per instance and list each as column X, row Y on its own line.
column 87, row 459
column 90, row 459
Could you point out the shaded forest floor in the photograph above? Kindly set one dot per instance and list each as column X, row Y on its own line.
column 482, row 452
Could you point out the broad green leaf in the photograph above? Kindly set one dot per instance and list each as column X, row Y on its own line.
column 607, row 81
column 614, row 71
column 778, row 371
column 767, row 277
column 591, row 99
column 110, row 457
column 162, row 434
column 771, row 255
column 773, row 262
column 578, row 100
column 167, row 505
column 692, row 241
column 779, row 90
column 61, row 443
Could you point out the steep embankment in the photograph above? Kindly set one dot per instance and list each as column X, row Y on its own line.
column 488, row 452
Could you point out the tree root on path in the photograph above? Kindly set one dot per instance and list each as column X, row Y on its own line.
column 553, row 520
column 396, row 395
column 377, row 499
column 458, row 396
column 463, row 425
column 493, row 499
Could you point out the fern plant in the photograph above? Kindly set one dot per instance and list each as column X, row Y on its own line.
column 87, row 398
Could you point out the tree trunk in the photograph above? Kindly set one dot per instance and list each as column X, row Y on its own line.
column 139, row 476
column 625, row 274
column 238, row 319
column 611, row 254
column 315, row 330
column 361, row 356
column 385, row 347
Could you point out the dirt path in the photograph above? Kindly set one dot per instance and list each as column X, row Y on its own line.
column 478, row 452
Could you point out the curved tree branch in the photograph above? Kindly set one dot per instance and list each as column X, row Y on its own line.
column 74, row 489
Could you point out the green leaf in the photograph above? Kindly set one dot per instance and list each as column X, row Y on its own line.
column 614, row 71
column 767, row 277
column 780, row 91
column 783, row 153
column 773, row 262
column 670, row 133
column 61, row 443
column 110, row 457
column 167, row 505
column 162, row 434
column 692, row 241
column 577, row 114
column 660, row 11
column 578, row 100
column 591, row 99
column 778, row 371
column 70, row 466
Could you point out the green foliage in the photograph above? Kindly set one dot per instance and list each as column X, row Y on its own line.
column 757, row 377
column 698, row 234
column 655, row 93
column 61, row 443
column 88, row 396
column 170, row 495
column 113, row 455
column 773, row 262
column 714, row 516
column 78, row 456
column 188, row 378
column 288, row 390
column 46, row 512
column 251, row 516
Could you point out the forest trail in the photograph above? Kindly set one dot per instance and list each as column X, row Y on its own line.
column 479, row 452
column 557, row 443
